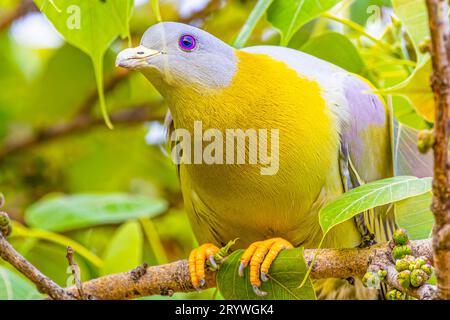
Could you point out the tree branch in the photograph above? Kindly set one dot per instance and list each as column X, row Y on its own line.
column 440, row 82
column 83, row 120
column 75, row 273
column 174, row 277
column 43, row 283
column 81, row 123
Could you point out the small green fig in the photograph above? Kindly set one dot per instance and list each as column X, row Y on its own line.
column 370, row 279
column 425, row 141
column 428, row 269
column 5, row 224
column 400, row 295
column 4, row 219
column 401, row 264
column 391, row 295
column 404, row 278
column 418, row 278
column 382, row 274
column 400, row 237
column 395, row 294
column 400, row 251
column 424, row 46
column 421, row 260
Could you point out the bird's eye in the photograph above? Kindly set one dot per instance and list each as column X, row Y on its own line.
column 187, row 43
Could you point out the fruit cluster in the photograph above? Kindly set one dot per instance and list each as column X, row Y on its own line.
column 395, row 294
column 412, row 271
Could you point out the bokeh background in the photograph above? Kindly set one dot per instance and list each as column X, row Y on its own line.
column 113, row 195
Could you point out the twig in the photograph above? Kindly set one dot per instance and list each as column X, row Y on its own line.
column 76, row 273
column 42, row 282
column 83, row 120
column 440, row 82
column 358, row 28
column 174, row 277
column 81, row 123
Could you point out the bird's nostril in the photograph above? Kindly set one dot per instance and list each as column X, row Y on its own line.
column 140, row 52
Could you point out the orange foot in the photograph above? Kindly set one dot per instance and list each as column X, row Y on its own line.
column 260, row 255
column 197, row 260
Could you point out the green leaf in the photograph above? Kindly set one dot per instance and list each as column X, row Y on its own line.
column 417, row 90
column 369, row 196
column 125, row 250
column 91, row 26
column 337, row 49
column 63, row 213
column 256, row 14
column 287, row 16
column 14, row 287
column 414, row 215
column 406, row 114
column 413, row 15
column 285, row 275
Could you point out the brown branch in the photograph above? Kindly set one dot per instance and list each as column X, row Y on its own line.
column 76, row 273
column 82, row 123
column 42, row 282
column 83, row 120
column 174, row 277
column 21, row 10
column 440, row 38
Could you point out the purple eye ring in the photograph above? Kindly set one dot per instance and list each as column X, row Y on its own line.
column 187, row 43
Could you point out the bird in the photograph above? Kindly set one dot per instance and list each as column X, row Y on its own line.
column 335, row 134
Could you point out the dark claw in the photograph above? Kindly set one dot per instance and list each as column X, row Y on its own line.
column 264, row 277
column 258, row 292
column 212, row 262
column 202, row 283
column 241, row 269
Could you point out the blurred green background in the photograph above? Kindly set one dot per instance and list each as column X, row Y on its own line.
column 112, row 194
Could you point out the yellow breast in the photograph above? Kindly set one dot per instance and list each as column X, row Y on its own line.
column 264, row 94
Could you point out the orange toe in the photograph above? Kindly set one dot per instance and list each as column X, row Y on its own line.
column 260, row 255
column 197, row 260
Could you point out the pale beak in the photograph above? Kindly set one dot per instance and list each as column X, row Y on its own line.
column 133, row 58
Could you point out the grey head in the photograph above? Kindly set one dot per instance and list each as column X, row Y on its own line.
column 173, row 55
